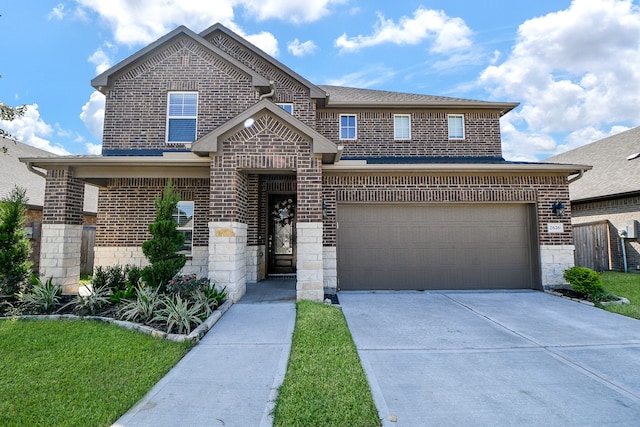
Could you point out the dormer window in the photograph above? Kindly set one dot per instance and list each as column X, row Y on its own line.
column 182, row 117
column 456, row 126
column 348, row 126
column 286, row 106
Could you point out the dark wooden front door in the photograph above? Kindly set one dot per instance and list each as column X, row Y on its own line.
column 282, row 235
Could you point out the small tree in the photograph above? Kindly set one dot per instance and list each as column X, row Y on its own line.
column 15, row 267
column 162, row 249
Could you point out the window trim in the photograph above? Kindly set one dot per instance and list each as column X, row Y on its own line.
column 396, row 128
column 449, row 129
column 355, row 127
column 187, row 229
column 170, row 117
column 285, row 104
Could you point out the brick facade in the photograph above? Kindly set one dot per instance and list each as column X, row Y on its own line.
column 429, row 134
column 63, row 199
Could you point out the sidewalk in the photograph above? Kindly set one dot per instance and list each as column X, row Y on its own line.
column 230, row 378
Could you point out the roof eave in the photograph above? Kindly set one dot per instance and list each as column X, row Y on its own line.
column 504, row 108
column 361, row 167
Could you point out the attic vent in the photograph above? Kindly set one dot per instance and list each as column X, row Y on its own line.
column 633, row 156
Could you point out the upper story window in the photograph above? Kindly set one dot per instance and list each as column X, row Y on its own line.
column 348, row 126
column 182, row 116
column 401, row 126
column 286, row 106
column 183, row 215
column 456, row 126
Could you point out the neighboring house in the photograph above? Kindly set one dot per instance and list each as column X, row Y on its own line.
column 13, row 172
column 606, row 202
column 341, row 188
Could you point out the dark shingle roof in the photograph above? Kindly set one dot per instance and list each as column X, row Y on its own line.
column 349, row 96
column 612, row 173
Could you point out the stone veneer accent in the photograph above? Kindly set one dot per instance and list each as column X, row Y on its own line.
column 310, row 265
column 197, row 263
column 255, row 263
column 227, row 257
column 60, row 255
column 554, row 260
column 330, row 269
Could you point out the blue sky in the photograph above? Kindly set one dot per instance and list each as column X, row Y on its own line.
column 572, row 65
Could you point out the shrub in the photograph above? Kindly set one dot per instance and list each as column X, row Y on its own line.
column 15, row 267
column 186, row 285
column 96, row 302
column 42, row 298
column 179, row 314
column 120, row 281
column 143, row 307
column 585, row 281
column 162, row 249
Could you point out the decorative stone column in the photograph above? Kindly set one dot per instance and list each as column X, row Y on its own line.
column 310, row 264
column 554, row 260
column 227, row 257
column 62, row 229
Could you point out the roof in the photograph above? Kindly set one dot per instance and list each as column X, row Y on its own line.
column 104, row 80
column 13, row 172
column 613, row 174
column 339, row 96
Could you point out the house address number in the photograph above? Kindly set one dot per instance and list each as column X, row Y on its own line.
column 555, row 227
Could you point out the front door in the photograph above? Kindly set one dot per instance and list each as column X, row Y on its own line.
column 282, row 236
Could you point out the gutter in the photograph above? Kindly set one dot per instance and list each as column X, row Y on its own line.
column 37, row 172
column 575, row 178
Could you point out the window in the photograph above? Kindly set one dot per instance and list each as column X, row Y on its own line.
column 183, row 215
column 456, row 126
column 347, row 126
column 401, row 126
column 182, row 116
column 288, row 107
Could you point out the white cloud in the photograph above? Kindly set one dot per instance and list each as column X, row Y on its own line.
column 295, row 11
column 575, row 70
column 264, row 40
column 298, row 48
column 101, row 60
column 57, row 12
column 95, row 149
column 370, row 77
column 447, row 33
column 30, row 129
column 93, row 114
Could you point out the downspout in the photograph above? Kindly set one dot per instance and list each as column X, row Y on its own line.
column 37, row 172
column 272, row 85
column 575, row 178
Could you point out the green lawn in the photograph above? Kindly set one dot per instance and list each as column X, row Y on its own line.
column 625, row 285
column 325, row 384
column 76, row 373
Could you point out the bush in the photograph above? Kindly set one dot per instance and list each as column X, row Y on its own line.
column 15, row 268
column 585, row 281
column 42, row 298
column 143, row 307
column 120, row 281
column 186, row 285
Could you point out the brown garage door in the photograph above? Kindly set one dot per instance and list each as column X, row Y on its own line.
column 480, row 246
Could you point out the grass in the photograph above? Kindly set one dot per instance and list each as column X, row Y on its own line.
column 625, row 285
column 325, row 384
column 76, row 373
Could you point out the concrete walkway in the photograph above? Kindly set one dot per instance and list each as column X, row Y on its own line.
column 495, row 359
column 230, row 378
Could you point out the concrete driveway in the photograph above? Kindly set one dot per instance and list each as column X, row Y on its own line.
column 495, row 358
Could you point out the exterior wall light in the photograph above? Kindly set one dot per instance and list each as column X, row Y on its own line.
column 559, row 209
column 324, row 209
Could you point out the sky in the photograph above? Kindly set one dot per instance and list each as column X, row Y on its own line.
column 574, row 66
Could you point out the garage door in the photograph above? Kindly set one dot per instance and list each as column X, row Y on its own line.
column 479, row 246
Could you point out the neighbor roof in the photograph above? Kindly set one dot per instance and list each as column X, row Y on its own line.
column 612, row 174
column 339, row 96
column 13, row 172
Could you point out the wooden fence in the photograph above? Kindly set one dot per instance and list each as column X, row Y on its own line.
column 593, row 243
column 86, row 250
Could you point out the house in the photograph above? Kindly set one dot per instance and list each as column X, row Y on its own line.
column 13, row 172
column 341, row 188
column 606, row 202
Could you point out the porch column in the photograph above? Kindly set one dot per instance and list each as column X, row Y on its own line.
column 309, row 230
column 62, row 229
column 227, row 228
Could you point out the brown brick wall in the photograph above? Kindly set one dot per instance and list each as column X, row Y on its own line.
column 63, row 198
column 287, row 89
column 429, row 134
column 125, row 209
column 136, row 106
column 541, row 190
